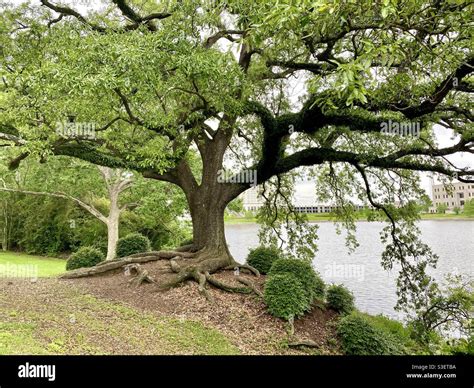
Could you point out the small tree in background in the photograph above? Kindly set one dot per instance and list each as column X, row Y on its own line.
column 441, row 208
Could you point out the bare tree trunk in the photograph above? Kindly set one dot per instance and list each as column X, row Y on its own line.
column 112, row 233
column 116, row 184
column 208, row 224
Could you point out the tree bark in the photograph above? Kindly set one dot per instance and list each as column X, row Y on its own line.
column 208, row 224
column 112, row 231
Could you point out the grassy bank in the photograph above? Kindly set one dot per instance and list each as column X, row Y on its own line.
column 49, row 317
column 360, row 217
column 104, row 315
column 13, row 264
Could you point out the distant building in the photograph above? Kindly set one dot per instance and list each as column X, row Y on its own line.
column 252, row 200
column 304, row 201
column 460, row 194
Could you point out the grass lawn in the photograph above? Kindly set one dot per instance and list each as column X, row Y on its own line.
column 49, row 317
column 45, row 266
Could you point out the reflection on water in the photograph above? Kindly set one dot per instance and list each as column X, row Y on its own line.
column 360, row 271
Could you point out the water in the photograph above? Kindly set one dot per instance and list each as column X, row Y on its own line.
column 373, row 287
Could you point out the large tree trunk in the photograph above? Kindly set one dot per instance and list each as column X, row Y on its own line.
column 208, row 225
column 207, row 212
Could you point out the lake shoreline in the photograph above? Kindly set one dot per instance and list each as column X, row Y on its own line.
column 238, row 220
column 360, row 270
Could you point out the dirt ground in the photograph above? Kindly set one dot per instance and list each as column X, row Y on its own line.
column 241, row 319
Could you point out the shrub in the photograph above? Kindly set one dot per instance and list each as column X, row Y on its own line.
column 187, row 241
column 131, row 244
column 262, row 258
column 84, row 257
column 339, row 298
column 403, row 334
column 312, row 283
column 460, row 346
column 285, row 296
column 360, row 337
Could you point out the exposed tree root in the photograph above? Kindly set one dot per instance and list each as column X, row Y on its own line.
column 175, row 267
column 201, row 279
column 180, row 277
column 227, row 287
column 186, row 248
column 250, row 285
column 244, row 266
column 291, row 326
column 200, row 267
column 118, row 263
column 303, row 343
column 139, row 274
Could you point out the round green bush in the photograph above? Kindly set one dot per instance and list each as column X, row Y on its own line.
column 312, row 283
column 132, row 243
column 359, row 337
column 285, row 296
column 339, row 298
column 262, row 258
column 84, row 257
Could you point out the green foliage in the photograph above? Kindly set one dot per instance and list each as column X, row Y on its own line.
column 45, row 228
column 235, row 206
column 403, row 334
column 447, row 307
column 299, row 235
column 368, row 69
column 460, row 346
column 361, row 337
column 131, row 244
column 311, row 282
column 84, row 257
column 40, row 224
column 468, row 209
column 339, row 298
column 262, row 258
column 284, row 296
column 186, row 241
column 441, row 208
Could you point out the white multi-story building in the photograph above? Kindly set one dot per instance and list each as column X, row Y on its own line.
column 304, row 200
column 453, row 196
column 252, row 200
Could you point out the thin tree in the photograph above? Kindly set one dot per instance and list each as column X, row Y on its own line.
column 116, row 181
